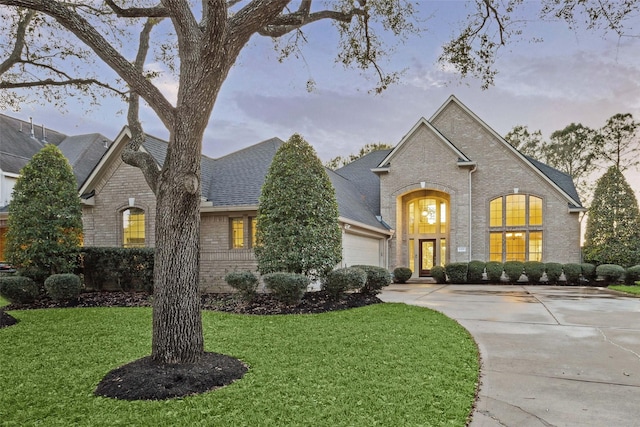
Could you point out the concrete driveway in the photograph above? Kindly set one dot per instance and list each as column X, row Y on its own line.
column 551, row 356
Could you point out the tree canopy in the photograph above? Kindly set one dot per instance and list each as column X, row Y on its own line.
column 613, row 225
column 297, row 228
column 45, row 217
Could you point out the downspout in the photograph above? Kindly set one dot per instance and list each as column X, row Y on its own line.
column 386, row 247
column 471, row 171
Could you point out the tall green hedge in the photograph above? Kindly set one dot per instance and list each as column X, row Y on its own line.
column 127, row 269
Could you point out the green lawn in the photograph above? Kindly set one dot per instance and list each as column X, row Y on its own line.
column 628, row 289
column 386, row 364
column 3, row 302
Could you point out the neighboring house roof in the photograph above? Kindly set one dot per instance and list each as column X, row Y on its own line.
column 20, row 141
column 359, row 174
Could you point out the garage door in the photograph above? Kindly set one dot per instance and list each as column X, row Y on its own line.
column 360, row 250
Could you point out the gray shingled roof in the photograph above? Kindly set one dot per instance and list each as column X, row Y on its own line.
column 561, row 179
column 84, row 152
column 351, row 202
column 367, row 183
column 236, row 179
column 17, row 146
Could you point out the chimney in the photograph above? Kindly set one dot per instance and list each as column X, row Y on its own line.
column 44, row 135
column 33, row 135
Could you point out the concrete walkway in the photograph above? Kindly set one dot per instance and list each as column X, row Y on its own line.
column 551, row 356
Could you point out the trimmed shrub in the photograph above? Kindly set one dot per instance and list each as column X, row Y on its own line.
column 610, row 273
column 288, row 288
column 457, row 272
column 377, row 278
column 475, row 271
column 588, row 271
column 554, row 271
column 632, row 275
column 513, row 270
column 18, row 289
column 494, row 271
column 438, row 273
column 534, row 271
column 345, row 279
column 63, row 287
column 572, row 273
column 402, row 274
column 245, row 282
column 112, row 268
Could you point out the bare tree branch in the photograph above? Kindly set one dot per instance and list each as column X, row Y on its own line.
column 131, row 154
column 16, row 53
column 51, row 82
column 82, row 29
column 158, row 11
column 293, row 21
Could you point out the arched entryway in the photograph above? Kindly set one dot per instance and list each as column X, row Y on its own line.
column 426, row 215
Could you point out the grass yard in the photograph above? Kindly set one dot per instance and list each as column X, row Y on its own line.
column 3, row 302
column 635, row 290
column 384, row 364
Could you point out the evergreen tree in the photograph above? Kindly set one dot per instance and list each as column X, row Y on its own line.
column 45, row 217
column 297, row 228
column 613, row 225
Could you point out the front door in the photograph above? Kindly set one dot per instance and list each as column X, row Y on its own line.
column 427, row 256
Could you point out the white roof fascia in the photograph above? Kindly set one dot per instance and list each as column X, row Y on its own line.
column 408, row 135
column 452, row 98
column 113, row 148
column 364, row 226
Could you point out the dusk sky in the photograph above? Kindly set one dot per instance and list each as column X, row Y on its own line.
column 571, row 76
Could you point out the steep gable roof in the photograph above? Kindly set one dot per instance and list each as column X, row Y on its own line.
column 560, row 181
column 366, row 182
column 462, row 158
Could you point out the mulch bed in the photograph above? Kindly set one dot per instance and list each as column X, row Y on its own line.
column 145, row 379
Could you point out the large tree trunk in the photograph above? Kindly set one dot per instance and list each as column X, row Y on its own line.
column 177, row 322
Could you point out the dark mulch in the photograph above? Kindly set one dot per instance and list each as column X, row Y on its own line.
column 6, row 319
column 144, row 379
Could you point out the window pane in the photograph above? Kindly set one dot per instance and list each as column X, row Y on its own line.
column 133, row 228
column 535, row 210
column 515, row 246
column 412, row 218
column 443, row 217
column 443, row 252
column 535, row 246
column 495, row 213
column 427, row 216
column 516, row 209
column 412, row 253
column 495, row 247
column 237, row 233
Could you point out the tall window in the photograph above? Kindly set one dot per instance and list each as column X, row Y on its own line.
column 237, row 233
column 243, row 232
column 133, row 228
column 515, row 224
